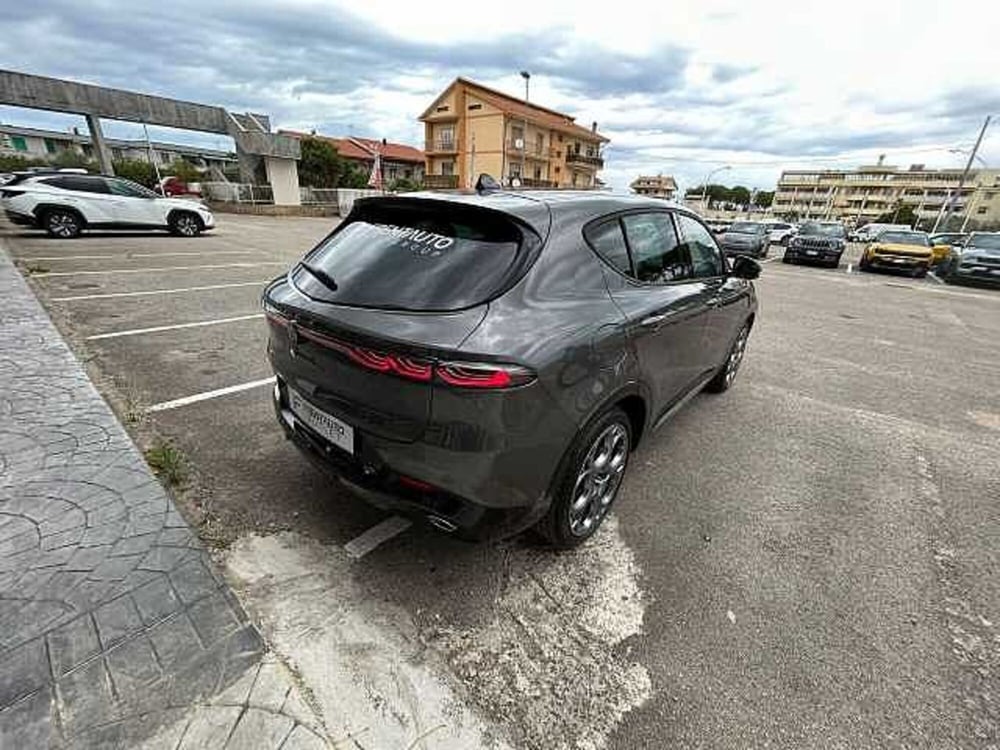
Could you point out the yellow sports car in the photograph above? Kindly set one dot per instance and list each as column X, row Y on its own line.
column 899, row 250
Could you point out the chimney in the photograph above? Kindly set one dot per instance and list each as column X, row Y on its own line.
column 881, row 159
column 593, row 127
column 383, row 142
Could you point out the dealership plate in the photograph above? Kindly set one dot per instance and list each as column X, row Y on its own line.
column 337, row 432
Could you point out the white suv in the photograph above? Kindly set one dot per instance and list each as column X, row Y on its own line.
column 65, row 204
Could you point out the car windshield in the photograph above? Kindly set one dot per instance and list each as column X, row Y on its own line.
column 988, row 241
column 904, row 238
column 746, row 227
column 822, row 230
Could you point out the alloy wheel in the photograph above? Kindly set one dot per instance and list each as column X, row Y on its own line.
column 186, row 225
column 736, row 355
column 63, row 225
column 598, row 479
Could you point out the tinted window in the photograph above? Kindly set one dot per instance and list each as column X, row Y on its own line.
column 746, row 227
column 656, row 254
column 418, row 257
column 82, row 184
column 706, row 260
column 988, row 241
column 609, row 242
column 129, row 189
column 814, row 228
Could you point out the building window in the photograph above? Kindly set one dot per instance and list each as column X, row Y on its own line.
column 51, row 146
column 18, row 143
column 475, row 106
column 442, row 109
column 514, row 171
column 448, row 167
column 446, row 137
column 557, row 169
column 538, row 173
column 982, row 210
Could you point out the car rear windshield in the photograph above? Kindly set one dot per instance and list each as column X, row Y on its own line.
column 744, row 227
column 988, row 241
column 419, row 255
column 904, row 238
column 823, row 230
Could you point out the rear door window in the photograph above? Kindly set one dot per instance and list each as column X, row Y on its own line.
column 656, row 254
column 418, row 256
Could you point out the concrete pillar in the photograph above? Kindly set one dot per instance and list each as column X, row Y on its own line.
column 101, row 149
column 283, row 174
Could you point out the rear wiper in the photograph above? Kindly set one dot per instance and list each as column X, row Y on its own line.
column 322, row 275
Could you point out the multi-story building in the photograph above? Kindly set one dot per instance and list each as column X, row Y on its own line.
column 860, row 195
column 398, row 160
column 471, row 129
column 47, row 145
column 655, row 186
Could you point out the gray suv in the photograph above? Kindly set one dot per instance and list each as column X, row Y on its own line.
column 978, row 259
column 489, row 361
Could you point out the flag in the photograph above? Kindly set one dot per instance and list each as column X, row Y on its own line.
column 375, row 180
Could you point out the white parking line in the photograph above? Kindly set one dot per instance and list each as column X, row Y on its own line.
column 176, row 327
column 376, row 535
column 178, row 402
column 180, row 290
column 126, row 256
column 162, row 268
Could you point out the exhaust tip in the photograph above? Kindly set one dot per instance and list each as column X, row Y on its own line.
column 442, row 523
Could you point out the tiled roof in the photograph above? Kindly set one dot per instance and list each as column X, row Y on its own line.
column 363, row 149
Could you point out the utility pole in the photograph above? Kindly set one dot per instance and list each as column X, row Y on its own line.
column 524, row 138
column 965, row 174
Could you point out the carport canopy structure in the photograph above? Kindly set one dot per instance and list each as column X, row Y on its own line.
column 251, row 132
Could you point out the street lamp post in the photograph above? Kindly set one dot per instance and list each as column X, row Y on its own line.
column 524, row 145
column 965, row 173
column 704, row 185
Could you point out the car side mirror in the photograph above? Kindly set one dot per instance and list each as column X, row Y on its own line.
column 745, row 268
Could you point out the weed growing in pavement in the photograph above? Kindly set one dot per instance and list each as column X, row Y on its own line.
column 167, row 462
column 133, row 412
column 34, row 269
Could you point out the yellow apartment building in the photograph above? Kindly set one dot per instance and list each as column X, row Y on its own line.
column 860, row 195
column 471, row 129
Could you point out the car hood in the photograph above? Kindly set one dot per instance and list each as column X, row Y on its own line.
column 738, row 238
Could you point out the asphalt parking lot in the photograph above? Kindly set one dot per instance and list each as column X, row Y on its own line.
column 809, row 560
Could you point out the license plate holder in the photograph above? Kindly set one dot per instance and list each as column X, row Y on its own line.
column 338, row 432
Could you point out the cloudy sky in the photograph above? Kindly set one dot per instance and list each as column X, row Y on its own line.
column 680, row 88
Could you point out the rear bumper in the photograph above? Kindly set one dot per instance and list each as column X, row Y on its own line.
column 380, row 472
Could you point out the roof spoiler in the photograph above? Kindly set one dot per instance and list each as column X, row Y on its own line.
column 487, row 184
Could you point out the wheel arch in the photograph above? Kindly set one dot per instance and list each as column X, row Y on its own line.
column 42, row 209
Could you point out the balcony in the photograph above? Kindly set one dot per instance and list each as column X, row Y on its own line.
column 441, row 146
column 440, row 181
column 592, row 161
column 530, row 149
column 530, row 182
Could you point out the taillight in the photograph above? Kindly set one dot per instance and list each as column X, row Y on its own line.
column 469, row 375
column 406, row 367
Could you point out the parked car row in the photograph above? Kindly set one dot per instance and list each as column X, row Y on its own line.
column 66, row 202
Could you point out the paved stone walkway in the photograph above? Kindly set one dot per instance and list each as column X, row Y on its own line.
column 114, row 628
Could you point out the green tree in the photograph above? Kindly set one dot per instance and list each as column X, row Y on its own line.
column 183, row 170
column 137, row 171
column 739, row 195
column 903, row 213
column 404, row 185
column 320, row 166
column 69, row 159
column 16, row 163
column 764, row 198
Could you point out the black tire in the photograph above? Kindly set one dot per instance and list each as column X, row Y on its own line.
column 62, row 223
column 185, row 224
column 920, row 272
column 726, row 375
column 786, row 259
column 763, row 252
column 565, row 526
column 863, row 264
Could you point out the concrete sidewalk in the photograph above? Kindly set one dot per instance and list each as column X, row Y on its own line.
column 115, row 631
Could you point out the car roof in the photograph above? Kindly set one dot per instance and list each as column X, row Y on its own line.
column 535, row 207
